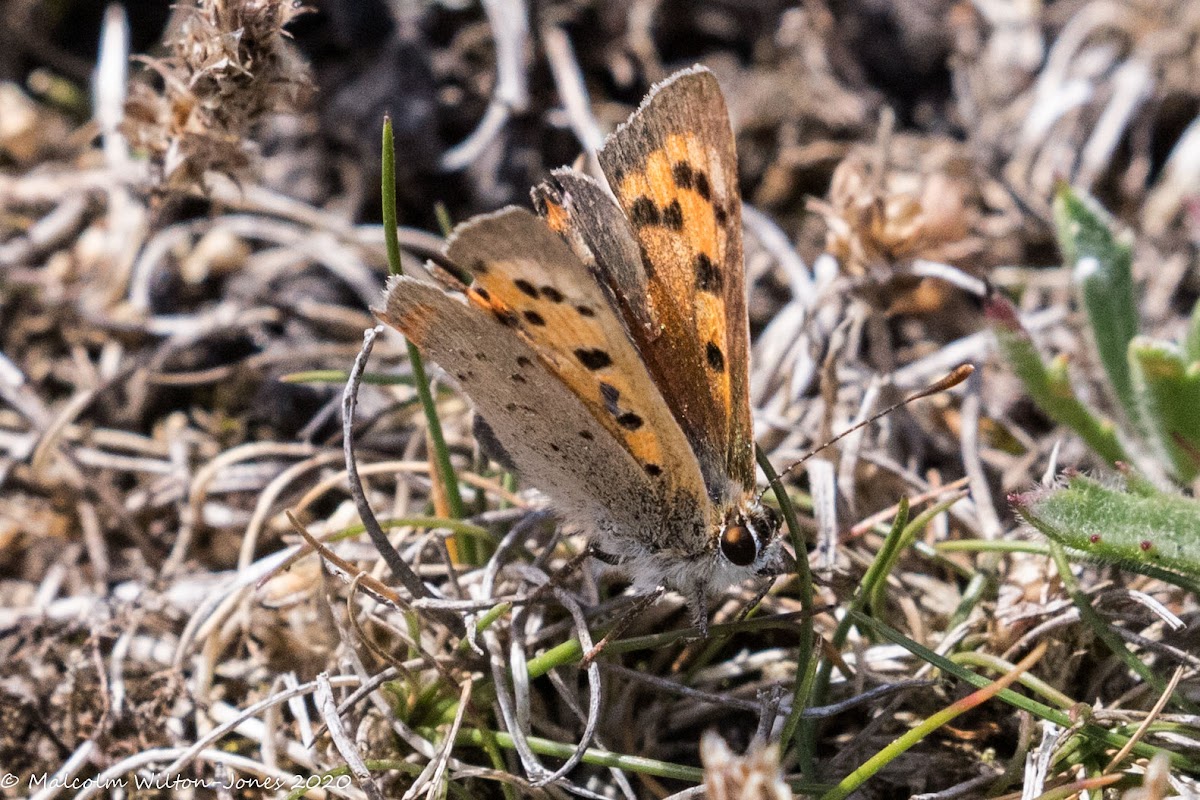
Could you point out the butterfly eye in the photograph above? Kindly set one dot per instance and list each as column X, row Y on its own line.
column 770, row 520
column 739, row 545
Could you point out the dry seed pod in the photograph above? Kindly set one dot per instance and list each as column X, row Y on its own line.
column 754, row 776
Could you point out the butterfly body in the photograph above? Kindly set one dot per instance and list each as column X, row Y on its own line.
column 604, row 341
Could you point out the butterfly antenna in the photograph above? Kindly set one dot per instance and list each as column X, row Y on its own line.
column 957, row 376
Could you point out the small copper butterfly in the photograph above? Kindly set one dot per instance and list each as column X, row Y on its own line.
column 604, row 343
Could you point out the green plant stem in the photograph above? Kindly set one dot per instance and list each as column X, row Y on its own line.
column 486, row 621
column 906, row 538
column 1039, row 710
column 455, row 526
column 1102, row 630
column 340, row 376
column 441, row 453
column 600, row 758
column 1028, row 680
column 919, row 732
column 570, row 651
column 975, row 591
column 877, row 571
column 805, row 662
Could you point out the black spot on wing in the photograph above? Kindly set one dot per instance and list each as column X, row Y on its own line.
column 523, row 362
column 507, row 317
column 586, row 436
column 630, row 421
column 585, row 311
column 517, row 377
column 682, row 173
column 526, row 287
column 484, row 293
column 552, row 294
column 702, row 187
column 716, row 359
column 708, row 275
column 653, row 470
column 672, row 216
column 644, row 212
column 721, row 214
column 593, row 358
column 535, row 318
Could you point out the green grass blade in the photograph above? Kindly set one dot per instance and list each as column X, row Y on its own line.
column 806, row 675
column 441, row 454
column 600, row 758
column 1040, row 710
column 919, row 732
column 1104, row 631
column 876, row 574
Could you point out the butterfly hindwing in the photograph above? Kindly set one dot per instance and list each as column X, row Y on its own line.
column 551, row 436
column 673, row 169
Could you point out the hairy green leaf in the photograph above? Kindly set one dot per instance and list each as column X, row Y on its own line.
column 1101, row 264
column 1117, row 526
column 1167, row 389
column 1049, row 385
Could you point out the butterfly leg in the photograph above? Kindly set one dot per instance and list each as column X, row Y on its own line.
column 699, row 606
column 560, row 575
column 622, row 624
column 754, row 601
column 600, row 555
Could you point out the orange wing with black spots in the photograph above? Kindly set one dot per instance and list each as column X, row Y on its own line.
column 673, row 169
column 532, row 283
column 550, row 434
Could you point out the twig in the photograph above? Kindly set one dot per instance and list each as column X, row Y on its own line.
column 1144, row 728
column 186, row 755
column 391, row 557
column 333, row 725
column 981, row 493
column 510, row 31
column 568, row 79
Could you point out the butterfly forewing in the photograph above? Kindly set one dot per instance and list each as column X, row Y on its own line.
column 673, row 169
column 533, row 283
column 589, row 220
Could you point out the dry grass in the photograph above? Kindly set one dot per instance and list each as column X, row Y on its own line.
column 170, row 259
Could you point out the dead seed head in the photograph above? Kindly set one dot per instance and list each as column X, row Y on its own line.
column 873, row 224
column 230, row 64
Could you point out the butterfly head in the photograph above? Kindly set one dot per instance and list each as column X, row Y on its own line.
column 746, row 544
column 749, row 543
column 747, row 537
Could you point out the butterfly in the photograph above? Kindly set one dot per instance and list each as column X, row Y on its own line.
column 604, row 343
